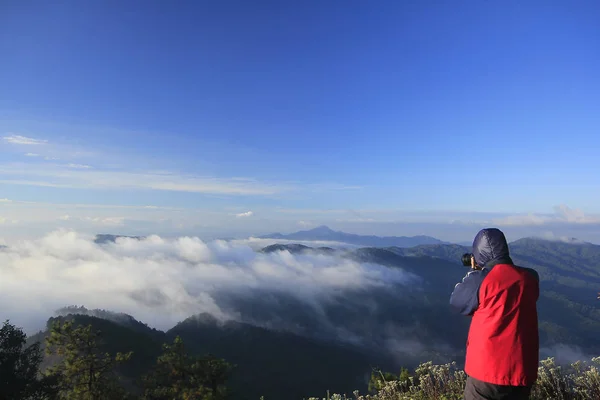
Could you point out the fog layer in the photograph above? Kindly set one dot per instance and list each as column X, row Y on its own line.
column 162, row 281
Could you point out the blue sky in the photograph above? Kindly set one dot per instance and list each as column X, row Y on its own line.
column 275, row 115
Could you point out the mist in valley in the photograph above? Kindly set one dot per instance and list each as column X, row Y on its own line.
column 163, row 281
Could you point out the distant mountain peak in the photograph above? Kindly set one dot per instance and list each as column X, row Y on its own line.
column 322, row 229
column 325, row 233
column 117, row 317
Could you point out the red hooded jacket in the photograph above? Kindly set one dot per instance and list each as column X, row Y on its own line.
column 503, row 342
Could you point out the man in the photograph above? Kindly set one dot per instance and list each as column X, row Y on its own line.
column 503, row 343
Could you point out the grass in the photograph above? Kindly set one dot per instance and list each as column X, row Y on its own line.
column 576, row 381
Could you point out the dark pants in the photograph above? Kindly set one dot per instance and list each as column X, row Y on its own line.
column 478, row 390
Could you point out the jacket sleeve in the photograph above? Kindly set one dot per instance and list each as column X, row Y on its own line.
column 537, row 279
column 465, row 297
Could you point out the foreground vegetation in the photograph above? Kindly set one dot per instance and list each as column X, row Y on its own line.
column 81, row 370
column 578, row 381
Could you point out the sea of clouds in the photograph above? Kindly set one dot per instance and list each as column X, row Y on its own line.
column 162, row 281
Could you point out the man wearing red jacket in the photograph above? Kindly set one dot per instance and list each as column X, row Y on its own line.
column 503, row 343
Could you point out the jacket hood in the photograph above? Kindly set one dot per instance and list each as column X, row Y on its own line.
column 490, row 246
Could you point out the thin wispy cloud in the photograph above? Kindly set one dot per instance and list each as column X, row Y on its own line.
column 518, row 220
column 562, row 214
column 69, row 150
column 79, row 166
column 306, row 224
column 78, row 176
column 87, row 205
column 36, row 183
column 82, row 169
column 23, row 140
column 106, row 170
column 106, row 221
column 35, row 218
column 309, row 211
column 356, row 220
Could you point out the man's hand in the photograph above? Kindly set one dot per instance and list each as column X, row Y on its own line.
column 475, row 267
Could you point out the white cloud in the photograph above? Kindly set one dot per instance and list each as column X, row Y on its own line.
column 108, row 221
column 567, row 214
column 105, row 221
column 356, row 220
column 79, row 176
column 89, row 205
column 31, row 155
column 163, row 281
column 301, row 211
column 549, row 235
column 245, row 214
column 517, row 220
column 110, row 172
column 562, row 214
column 79, row 166
column 101, row 221
column 306, row 224
column 18, row 139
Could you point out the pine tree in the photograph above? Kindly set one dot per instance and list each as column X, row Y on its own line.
column 19, row 367
column 215, row 372
column 178, row 376
column 85, row 372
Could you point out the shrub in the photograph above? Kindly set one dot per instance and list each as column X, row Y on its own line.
column 577, row 381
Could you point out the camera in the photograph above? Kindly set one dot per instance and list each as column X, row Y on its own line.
column 466, row 259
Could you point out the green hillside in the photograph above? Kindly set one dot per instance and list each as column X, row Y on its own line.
column 292, row 365
column 282, row 348
column 570, row 282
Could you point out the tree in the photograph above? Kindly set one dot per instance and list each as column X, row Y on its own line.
column 178, row 376
column 215, row 372
column 85, row 372
column 20, row 367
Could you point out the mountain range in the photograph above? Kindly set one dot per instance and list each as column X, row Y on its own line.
column 324, row 233
column 333, row 345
